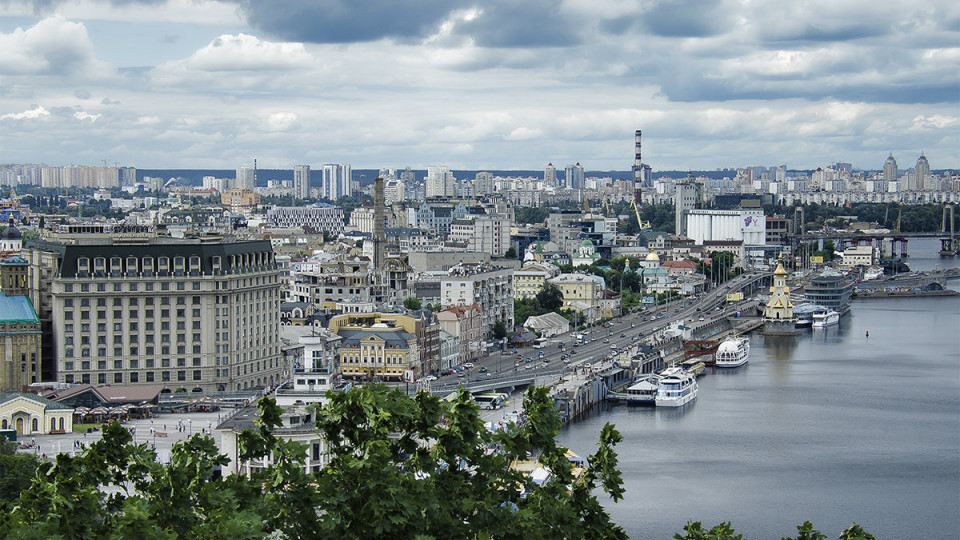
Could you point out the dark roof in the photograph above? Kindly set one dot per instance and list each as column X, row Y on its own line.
column 352, row 338
column 167, row 248
column 10, row 233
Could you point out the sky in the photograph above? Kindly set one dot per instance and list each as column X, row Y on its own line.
column 492, row 84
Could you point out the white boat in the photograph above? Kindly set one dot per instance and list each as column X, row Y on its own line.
column 733, row 352
column 642, row 392
column 827, row 318
column 676, row 388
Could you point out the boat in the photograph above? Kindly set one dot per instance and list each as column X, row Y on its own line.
column 733, row 352
column 804, row 313
column 676, row 388
column 826, row 318
column 642, row 392
column 694, row 365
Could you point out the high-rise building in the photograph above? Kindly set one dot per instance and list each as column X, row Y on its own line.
column 923, row 172
column 890, row 173
column 335, row 181
column 440, row 182
column 244, row 179
column 483, row 184
column 301, row 181
column 197, row 315
column 688, row 195
column 550, row 176
column 574, row 176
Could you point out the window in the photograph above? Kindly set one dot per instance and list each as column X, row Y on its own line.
column 149, row 376
column 134, row 377
column 149, row 362
column 196, row 374
column 134, row 364
column 117, row 287
column 68, row 366
column 165, row 362
column 165, row 376
column 181, row 375
column 68, row 302
column 164, row 286
column 85, row 365
column 101, row 378
column 196, row 362
column 68, row 328
column 68, row 287
column 181, row 325
column 85, row 378
column 101, row 365
column 118, row 364
column 118, row 377
column 181, row 362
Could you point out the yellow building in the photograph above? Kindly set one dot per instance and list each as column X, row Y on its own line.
column 378, row 352
column 582, row 293
column 239, row 200
column 30, row 414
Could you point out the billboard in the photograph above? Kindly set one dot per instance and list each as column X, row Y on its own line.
column 734, row 297
column 816, row 259
column 648, row 299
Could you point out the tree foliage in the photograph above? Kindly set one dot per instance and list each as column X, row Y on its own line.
column 399, row 467
column 412, row 302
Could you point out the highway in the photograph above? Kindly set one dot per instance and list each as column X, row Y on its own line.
column 623, row 332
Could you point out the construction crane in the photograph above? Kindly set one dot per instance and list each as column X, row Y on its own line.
column 606, row 206
column 643, row 226
column 586, row 205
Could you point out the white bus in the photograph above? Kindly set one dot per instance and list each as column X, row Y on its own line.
column 540, row 343
column 490, row 399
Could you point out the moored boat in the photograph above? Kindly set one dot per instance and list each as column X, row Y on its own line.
column 694, row 365
column 733, row 352
column 676, row 388
column 642, row 392
column 826, row 318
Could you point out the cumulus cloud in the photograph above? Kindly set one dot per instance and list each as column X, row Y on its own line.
column 34, row 112
column 54, row 46
column 83, row 115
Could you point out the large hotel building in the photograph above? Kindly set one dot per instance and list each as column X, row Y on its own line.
column 193, row 315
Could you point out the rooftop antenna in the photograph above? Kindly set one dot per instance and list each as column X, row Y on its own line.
column 254, row 172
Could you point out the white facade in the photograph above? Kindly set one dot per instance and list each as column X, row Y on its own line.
column 335, row 181
column 746, row 225
column 322, row 217
column 244, row 179
column 301, row 181
column 439, row 182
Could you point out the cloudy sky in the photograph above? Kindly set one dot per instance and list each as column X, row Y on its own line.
column 499, row 84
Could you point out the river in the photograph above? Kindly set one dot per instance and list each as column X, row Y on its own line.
column 830, row 426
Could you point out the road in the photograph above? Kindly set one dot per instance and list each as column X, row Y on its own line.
column 623, row 332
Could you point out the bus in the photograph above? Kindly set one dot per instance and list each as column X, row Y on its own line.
column 540, row 343
column 492, row 400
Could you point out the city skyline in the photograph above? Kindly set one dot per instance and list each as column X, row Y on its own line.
column 206, row 84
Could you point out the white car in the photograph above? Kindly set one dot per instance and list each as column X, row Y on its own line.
column 468, row 365
column 430, row 378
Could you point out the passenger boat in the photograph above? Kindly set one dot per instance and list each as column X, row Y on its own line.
column 694, row 365
column 642, row 392
column 676, row 388
column 733, row 352
column 827, row 318
column 804, row 313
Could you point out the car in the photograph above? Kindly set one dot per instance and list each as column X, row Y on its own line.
column 606, row 340
column 468, row 365
column 461, row 375
column 701, row 317
column 483, row 370
column 429, row 378
column 529, row 366
column 623, row 335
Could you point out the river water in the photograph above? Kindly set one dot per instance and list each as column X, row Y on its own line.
column 830, row 426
